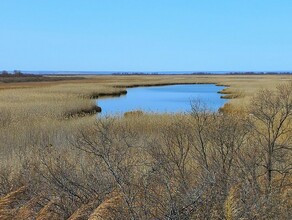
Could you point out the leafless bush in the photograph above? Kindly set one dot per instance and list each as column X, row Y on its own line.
column 271, row 122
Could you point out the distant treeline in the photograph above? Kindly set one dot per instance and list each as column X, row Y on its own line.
column 242, row 73
column 205, row 73
column 18, row 76
column 17, row 73
column 259, row 73
column 134, row 73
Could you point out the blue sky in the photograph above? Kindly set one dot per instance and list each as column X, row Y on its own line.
column 146, row 35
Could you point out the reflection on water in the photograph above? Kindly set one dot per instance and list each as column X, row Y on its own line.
column 160, row 99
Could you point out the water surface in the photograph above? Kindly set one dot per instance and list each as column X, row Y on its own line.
column 161, row 99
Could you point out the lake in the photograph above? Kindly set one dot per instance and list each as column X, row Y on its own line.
column 162, row 99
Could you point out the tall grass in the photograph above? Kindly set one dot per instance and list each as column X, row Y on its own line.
column 153, row 161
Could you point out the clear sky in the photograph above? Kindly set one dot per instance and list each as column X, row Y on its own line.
column 146, row 35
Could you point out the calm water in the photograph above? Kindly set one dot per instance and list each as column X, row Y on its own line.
column 160, row 99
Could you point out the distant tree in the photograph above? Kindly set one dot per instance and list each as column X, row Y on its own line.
column 17, row 73
column 5, row 73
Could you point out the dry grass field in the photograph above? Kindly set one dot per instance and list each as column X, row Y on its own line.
column 58, row 160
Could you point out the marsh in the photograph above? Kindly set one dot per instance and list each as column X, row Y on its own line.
column 162, row 99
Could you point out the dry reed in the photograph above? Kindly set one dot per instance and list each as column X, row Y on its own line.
column 36, row 116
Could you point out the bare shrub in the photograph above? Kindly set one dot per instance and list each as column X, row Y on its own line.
column 271, row 122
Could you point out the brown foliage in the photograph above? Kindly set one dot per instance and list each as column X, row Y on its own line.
column 10, row 203
column 47, row 212
column 203, row 165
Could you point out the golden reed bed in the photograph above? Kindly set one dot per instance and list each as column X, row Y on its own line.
column 47, row 170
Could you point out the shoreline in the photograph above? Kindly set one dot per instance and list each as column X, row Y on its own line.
column 124, row 92
column 238, row 89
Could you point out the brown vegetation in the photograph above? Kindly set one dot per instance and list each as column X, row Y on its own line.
column 19, row 77
column 203, row 165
